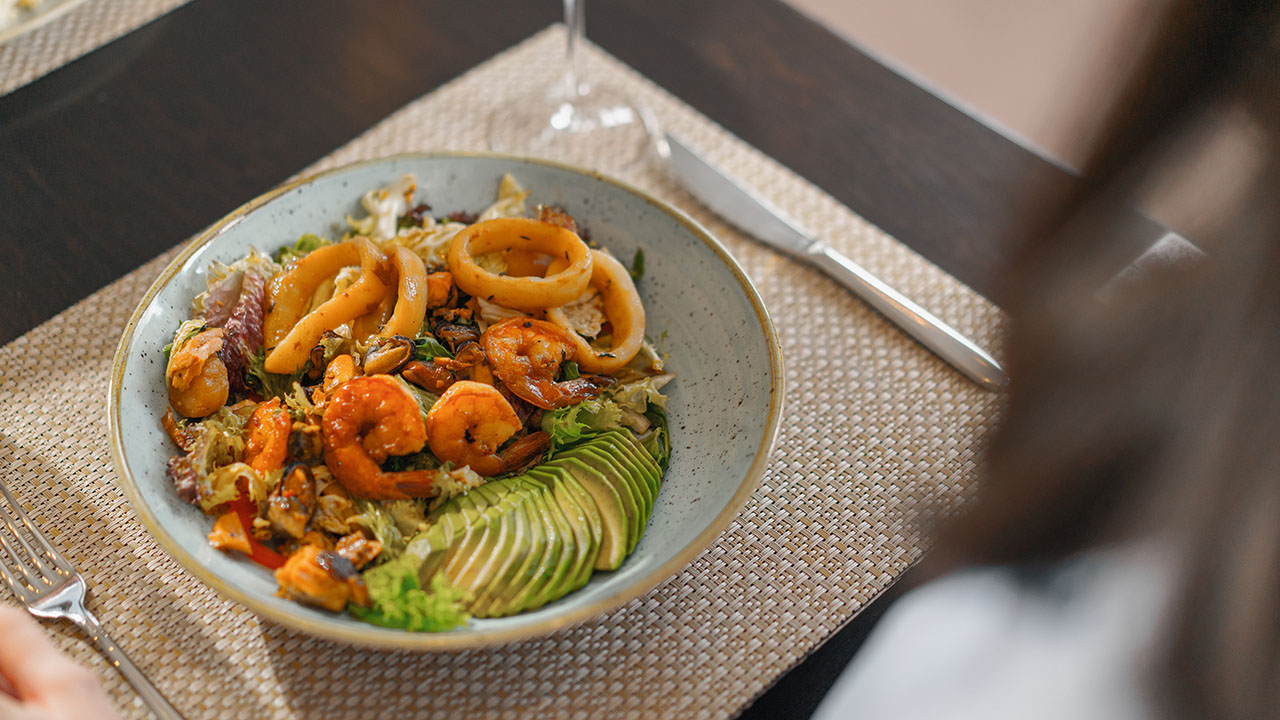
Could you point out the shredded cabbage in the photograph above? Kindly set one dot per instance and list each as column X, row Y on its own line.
column 586, row 314
column 510, row 201
column 385, row 206
column 430, row 242
column 256, row 261
column 187, row 330
column 491, row 313
column 374, row 518
column 220, row 444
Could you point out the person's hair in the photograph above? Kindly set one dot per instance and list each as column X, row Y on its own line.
column 1154, row 409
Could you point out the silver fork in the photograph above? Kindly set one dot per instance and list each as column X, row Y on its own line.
column 50, row 587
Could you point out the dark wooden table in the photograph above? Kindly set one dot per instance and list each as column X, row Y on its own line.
column 119, row 155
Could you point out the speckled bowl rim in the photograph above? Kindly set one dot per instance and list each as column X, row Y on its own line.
column 459, row 640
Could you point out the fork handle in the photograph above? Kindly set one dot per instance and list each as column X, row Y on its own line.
column 159, row 706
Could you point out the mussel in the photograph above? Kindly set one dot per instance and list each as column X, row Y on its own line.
column 386, row 356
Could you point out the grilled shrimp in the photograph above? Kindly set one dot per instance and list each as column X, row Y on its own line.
column 366, row 420
column 196, row 376
column 526, row 355
column 471, row 421
column 268, row 437
column 340, row 369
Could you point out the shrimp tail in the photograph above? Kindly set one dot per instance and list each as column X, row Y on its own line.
column 417, row 484
column 524, row 451
column 582, row 388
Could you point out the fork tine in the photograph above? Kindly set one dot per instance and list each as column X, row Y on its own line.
column 15, row 571
column 50, row 552
column 32, row 557
column 20, row 587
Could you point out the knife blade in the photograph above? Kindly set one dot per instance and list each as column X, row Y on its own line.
column 757, row 218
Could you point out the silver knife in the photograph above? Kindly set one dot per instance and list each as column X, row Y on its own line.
column 762, row 221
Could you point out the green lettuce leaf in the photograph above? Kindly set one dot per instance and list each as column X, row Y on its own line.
column 636, row 397
column 568, row 425
column 299, row 248
column 398, row 600
column 570, row 371
column 427, row 348
column 658, row 439
column 270, row 384
column 378, row 519
column 627, row 405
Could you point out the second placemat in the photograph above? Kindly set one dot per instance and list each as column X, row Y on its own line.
column 77, row 31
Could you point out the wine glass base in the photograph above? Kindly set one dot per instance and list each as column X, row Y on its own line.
column 600, row 129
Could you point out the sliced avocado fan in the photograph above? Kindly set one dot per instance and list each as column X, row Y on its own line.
column 520, row 542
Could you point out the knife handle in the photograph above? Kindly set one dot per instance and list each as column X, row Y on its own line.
column 919, row 323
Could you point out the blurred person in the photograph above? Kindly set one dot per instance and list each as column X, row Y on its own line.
column 38, row 682
column 1122, row 556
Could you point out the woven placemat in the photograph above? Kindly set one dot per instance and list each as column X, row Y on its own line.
column 85, row 28
column 875, row 428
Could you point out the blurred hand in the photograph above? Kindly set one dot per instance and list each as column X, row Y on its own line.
column 43, row 684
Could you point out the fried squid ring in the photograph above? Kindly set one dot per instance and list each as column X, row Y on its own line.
column 289, row 292
column 366, row 326
column 403, row 312
column 411, row 299
column 520, row 293
column 294, row 349
column 623, row 308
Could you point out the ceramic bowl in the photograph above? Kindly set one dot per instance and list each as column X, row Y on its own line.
column 724, row 404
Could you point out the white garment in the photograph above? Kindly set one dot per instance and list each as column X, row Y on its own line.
column 980, row 644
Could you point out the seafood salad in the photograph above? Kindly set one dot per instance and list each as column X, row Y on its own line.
column 424, row 419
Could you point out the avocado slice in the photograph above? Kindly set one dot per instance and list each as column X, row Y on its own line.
column 508, row 549
column 433, row 545
column 619, row 455
column 525, row 572
column 604, row 455
column 464, row 570
column 557, row 584
column 616, row 513
column 465, row 514
column 525, row 554
column 550, row 564
column 449, row 524
column 627, row 448
column 632, row 502
column 584, row 522
column 626, row 442
column 579, row 507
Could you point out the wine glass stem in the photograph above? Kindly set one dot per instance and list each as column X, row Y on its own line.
column 575, row 18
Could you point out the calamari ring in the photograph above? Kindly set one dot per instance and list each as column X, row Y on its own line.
column 623, row 308
column 411, row 297
column 520, row 293
column 361, row 298
column 366, row 326
column 289, row 292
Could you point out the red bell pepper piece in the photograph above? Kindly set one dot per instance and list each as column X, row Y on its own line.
column 261, row 554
